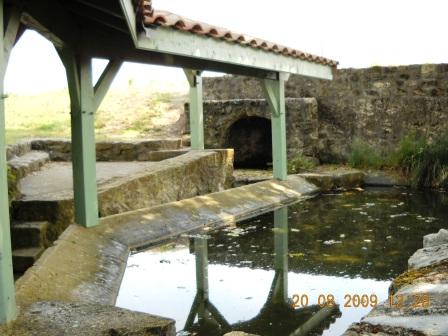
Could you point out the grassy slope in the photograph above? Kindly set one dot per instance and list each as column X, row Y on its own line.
column 125, row 114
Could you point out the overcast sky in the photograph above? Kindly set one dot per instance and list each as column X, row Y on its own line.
column 357, row 33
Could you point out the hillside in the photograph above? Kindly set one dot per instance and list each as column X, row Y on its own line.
column 149, row 112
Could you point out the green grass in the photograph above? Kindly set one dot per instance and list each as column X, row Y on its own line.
column 427, row 162
column 364, row 155
column 141, row 112
column 424, row 162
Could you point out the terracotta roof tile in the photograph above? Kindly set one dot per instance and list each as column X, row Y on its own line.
column 149, row 16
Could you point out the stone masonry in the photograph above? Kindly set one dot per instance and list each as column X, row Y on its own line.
column 378, row 105
column 302, row 125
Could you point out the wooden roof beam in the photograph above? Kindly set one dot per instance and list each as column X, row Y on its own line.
column 180, row 43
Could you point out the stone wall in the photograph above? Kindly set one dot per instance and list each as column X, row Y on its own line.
column 60, row 149
column 378, row 105
column 185, row 176
column 302, row 124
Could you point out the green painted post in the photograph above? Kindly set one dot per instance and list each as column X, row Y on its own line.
column 196, row 109
column 201, row 251
column 79, row 76
column 275, row 94
column 8, row 310
column 281, row 254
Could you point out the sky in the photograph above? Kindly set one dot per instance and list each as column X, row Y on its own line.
column 357, row 33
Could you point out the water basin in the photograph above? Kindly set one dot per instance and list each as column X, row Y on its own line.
column 332, row 257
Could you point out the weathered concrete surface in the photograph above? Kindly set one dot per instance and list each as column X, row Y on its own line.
column 123, row 186
column 28, row 163
column 249, row 176
column 380, row 178
column 335, row 178
column 424, row 292
column 17, row 149
column 60, row 319
column 60, row 149
column 84, row 268
column 138, row 228
column 435, row 239
column 428, row 256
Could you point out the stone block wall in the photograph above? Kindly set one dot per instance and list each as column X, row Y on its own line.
column 60, row 149
column 378, row 105
column 302, row 122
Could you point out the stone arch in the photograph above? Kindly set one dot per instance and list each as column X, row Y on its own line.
column 251, row 138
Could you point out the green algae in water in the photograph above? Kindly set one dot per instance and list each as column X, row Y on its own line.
column 351, row 243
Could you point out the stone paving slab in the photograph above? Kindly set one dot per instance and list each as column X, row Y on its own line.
column 55, row 181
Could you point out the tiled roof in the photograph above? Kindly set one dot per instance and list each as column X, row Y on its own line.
column 150, row 17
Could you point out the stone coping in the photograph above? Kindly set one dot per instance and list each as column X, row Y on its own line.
column 86, row 266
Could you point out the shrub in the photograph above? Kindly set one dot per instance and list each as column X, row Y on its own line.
column 427, row 163
column 299, row 163
column 364, row 155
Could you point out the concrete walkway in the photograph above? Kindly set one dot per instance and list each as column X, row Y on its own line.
column 85, row 266
column 54, row 182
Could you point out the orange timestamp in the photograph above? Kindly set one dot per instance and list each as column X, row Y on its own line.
column 328, row 300
column 417, row 300
column 397, row 301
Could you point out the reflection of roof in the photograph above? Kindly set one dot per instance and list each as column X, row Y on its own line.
column 151, row 17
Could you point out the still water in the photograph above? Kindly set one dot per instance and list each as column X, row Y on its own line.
column 246, row 277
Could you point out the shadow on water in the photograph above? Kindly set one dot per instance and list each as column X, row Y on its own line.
column 244, row 277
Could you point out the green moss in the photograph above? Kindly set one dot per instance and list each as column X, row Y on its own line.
column 408, row 278
column 13, row 190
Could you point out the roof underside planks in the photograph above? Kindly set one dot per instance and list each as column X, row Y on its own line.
column 108, row 29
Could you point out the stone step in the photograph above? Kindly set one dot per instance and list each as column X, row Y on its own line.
column 29, row 234
column 28, row 163
column 22, row 259
column 18, row 149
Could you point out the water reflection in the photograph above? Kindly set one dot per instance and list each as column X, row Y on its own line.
column 277, row 316
column 241, row 277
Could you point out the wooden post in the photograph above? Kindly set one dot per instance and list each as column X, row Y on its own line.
column 274, row 91
column 8, row 309
column 85, row 100
column 196, row 109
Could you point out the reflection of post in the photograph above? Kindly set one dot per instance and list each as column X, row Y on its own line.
column 200, row 247
column 208, row 316
column 280, row 293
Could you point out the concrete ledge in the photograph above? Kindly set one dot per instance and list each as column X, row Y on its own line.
column 48, row 195
column 60, row 149
column 58, row 318
column 82, row 272
column 138, row 228
column 335, row 178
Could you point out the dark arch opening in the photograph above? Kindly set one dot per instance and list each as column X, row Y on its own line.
column 251, row 139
